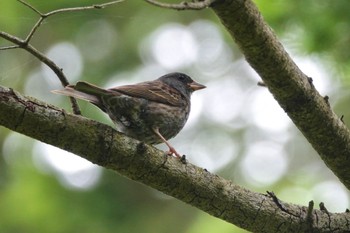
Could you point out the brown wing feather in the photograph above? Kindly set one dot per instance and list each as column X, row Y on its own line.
column 154, row 91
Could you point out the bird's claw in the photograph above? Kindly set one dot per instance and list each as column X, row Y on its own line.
column 172, row 152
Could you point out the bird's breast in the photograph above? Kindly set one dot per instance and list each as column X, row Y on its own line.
column 136, row 117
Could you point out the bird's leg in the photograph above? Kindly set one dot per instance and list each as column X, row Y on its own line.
column 171, row 149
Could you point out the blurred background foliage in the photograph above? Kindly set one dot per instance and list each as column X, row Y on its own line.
column 236, row 129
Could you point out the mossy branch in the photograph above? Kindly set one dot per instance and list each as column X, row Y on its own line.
column 103, row 145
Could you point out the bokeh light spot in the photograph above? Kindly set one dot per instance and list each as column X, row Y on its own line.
column 67, row 56
column 266, row 113
column 224, row 99
column 332, row 194
column 172, row 46
column 72, row 171
column 213, row 150
column 264, row 163
column 214, row 56
column 91, row 47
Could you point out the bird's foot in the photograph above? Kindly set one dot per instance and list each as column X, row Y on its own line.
column 172, row 151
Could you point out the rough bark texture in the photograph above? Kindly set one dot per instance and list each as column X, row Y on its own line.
column 104, row 146
column 293, row 90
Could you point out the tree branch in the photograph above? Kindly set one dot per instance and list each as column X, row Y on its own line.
column 63, row 10
column 24, row 44
column 195, row 5
column 293, row 90
column 9, row 47
column 106, row 147
column 44, row 59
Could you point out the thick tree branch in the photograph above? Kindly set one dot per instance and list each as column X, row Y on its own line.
column 106, row 147
column 293, row 90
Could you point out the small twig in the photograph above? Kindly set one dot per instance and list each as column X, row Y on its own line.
column 326, row 99
column 71, row 9
column 9, row 47
column 30, row 7
column 183, row 159
column 309, row 216
column 24, row 44
column 12, row 39
column 82, row 8
column 311, row 82
column 261, row 84
column 35, row 27
column 323, row 208
column 277, row 201
column 58, row 71
column 196, row 5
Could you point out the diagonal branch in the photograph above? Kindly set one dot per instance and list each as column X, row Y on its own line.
column 28, row 47
column 106, row 147
column 293, row 90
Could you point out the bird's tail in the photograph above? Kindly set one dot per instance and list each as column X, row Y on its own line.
column 84, row 91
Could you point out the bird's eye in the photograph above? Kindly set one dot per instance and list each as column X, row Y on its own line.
column 182, row 78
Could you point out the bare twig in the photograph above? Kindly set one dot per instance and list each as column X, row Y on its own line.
column 30, row 7
column 196, row 5
column 35, row 27
column 71, row 9
column 261, row 84
column 9, row 47
column 24, row 44
column 309, row 217
column 58, row 71
column 82, row 8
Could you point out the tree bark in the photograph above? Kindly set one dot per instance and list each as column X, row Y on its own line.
column 106, row 147
column 293, row 90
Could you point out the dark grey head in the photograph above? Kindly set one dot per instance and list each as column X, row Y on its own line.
column 181, row 82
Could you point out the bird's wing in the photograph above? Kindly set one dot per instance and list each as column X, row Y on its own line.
column 154, row 91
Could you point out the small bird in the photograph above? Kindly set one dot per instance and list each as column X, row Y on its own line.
column 152, row 111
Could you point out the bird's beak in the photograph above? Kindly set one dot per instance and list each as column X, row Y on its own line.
column 196, row 86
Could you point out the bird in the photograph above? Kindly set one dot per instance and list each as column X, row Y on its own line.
column 152, row 111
